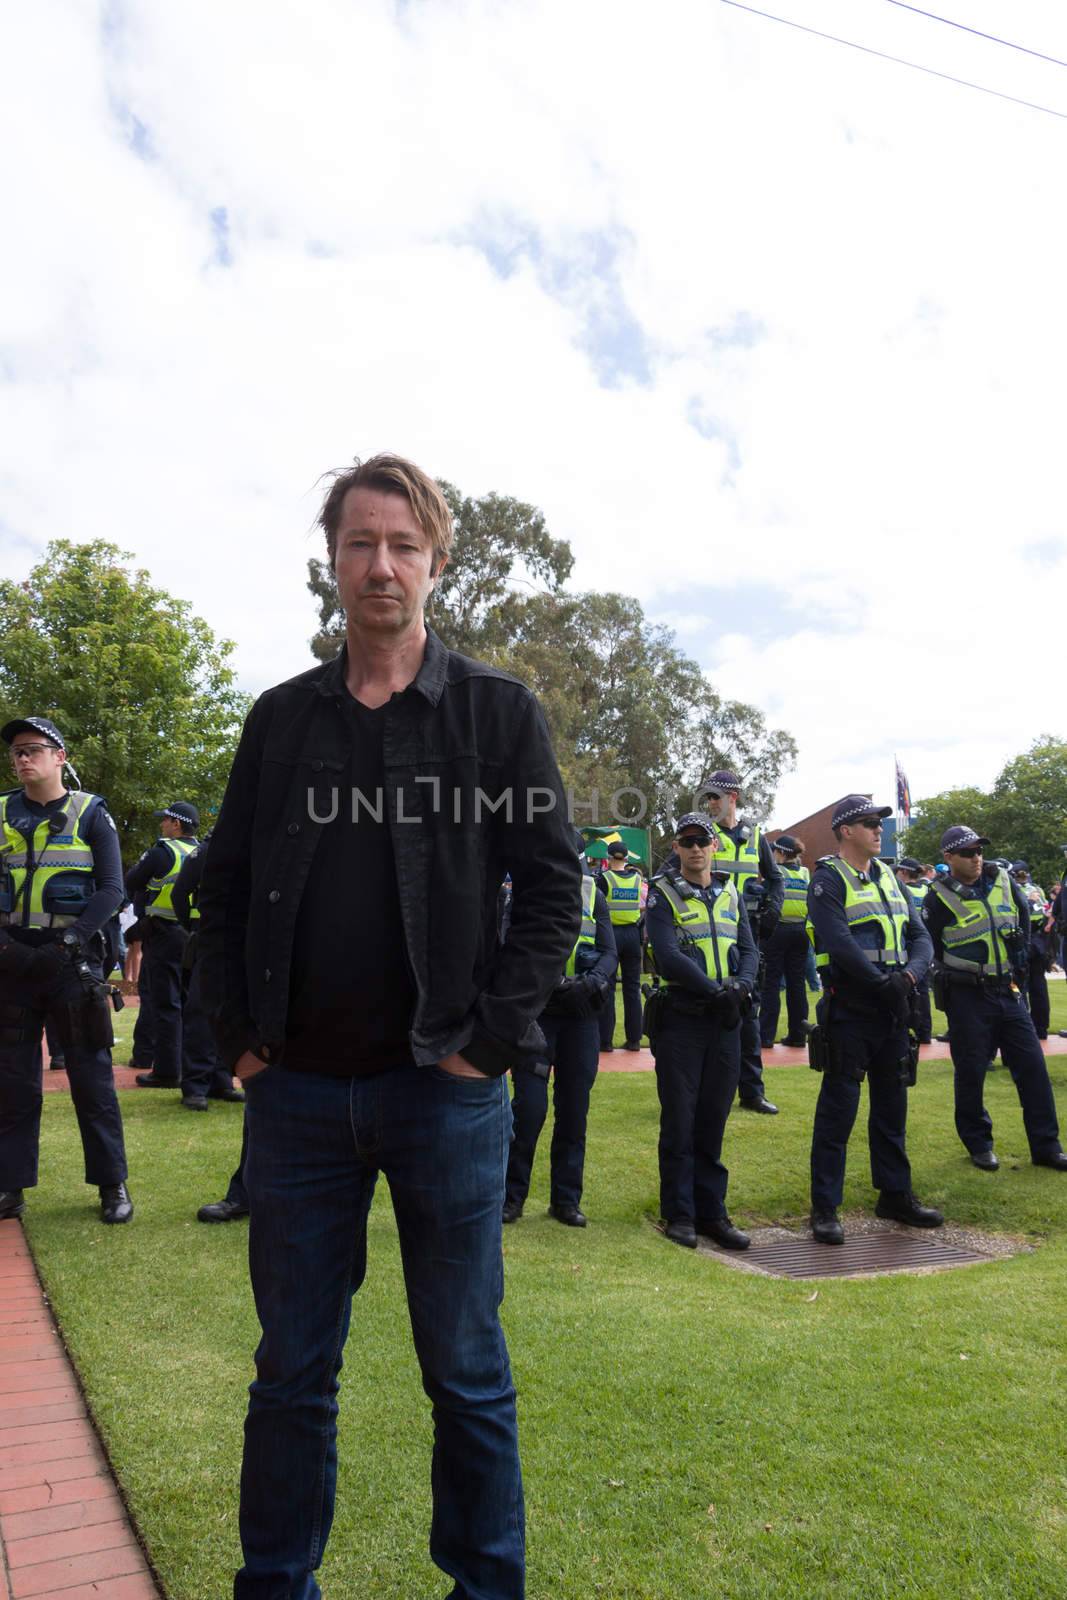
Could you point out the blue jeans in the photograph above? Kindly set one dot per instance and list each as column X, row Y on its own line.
column 315, row 1147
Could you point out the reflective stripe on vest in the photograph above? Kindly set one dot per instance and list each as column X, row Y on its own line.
column 587, row 932
column 795, row 904
column 1038, row 904
column 739, row 861
column 705, row 933
column 974, row 943
column 41, row 863
column 875, row 907
column 162, row 889
column 623, row 895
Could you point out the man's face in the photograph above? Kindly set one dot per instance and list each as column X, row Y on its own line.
column 865, row 835
column 382, row 562
column 965, row 865
column 1022, row 877
column 694, row 851
column 720, row 806
column 34, row 758
column 169, row 828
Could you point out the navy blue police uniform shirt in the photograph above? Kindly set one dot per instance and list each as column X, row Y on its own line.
column 859, row 976
column 351, row 992
column 98, row 831
column 671, row 961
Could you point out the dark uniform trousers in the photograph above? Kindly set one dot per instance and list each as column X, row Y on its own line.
column 861, row 1044
column 236, row 1192
column 164, row 947
column 92, row 1089
column 982, row 1021
column 202, row 1072
column 750, row 1078
column 628, row 944
column 697, row 1068
column 1037, row 989
column 787, row 956
column 142, row 1053
column 574, row 1053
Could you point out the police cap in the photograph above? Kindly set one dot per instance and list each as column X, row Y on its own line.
column 695, row 819
column 854, row 806
column 33, row 725
column 617, row 848
column 909, row 864
column 787, row 844
column 182, row 811
column 961, row 837
column 724, row 782
column 1020, row 866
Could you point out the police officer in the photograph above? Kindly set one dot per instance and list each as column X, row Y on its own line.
column 155, row 874
column 979, row 921
column 1036, row 985
column 60, row 882
column 621, row 888
column 745, row 854
column 570, row 1024
column 786, row 951
column 204, row 1077
column 701, row 942
column 872, row 950
column 913, row 876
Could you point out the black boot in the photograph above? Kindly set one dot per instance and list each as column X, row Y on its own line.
column 11, row 1203
column 902, row 1206
column 115, row 1202
column 826, row 1228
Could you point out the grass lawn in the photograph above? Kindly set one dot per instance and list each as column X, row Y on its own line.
column 687, row 1430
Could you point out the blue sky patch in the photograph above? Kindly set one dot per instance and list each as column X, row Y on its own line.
column 220, row 234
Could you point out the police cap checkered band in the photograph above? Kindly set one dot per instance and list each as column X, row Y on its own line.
column 724, row 782
column 854, row 806
column 695, row 819
column 961, row 837
column 909, row 864
column 787, row 844
column 33, row 725
column 182, row 811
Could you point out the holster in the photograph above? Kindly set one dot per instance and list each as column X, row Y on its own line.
column 909, row 1064
column 652, row 1018
column 818, row 1049
column 939, row 987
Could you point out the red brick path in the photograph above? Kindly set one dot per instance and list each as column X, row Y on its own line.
column 64, row 1532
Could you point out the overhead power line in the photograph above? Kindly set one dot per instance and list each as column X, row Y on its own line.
column 868, row 50
column 966, row 28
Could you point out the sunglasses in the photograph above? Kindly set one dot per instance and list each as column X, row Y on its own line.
column 29, row 750
column 694, row 841
column 868, row 822
column 970, row 852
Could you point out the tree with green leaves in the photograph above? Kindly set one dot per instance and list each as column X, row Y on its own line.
column 138, row 685
column 1024, row 815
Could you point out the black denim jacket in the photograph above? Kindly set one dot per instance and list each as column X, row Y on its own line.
column 462, row 739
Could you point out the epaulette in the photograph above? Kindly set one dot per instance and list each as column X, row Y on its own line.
column 825, row 861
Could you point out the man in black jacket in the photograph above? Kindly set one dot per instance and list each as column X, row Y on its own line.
column 350, row 961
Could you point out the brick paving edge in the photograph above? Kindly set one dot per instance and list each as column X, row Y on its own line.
column 116, row 1481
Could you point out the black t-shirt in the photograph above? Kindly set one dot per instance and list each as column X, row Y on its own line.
column 351, row 993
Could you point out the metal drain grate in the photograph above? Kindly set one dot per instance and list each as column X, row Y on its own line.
column 881, row 1250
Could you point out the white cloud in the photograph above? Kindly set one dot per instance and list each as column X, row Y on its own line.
column 848, row 274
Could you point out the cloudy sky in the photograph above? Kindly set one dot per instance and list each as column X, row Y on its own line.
column 773, row 331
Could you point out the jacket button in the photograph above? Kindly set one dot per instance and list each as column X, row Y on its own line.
column 316, row 766
column 274, row 896
column 264, row 1051
column 266, row 976
column 293, row 828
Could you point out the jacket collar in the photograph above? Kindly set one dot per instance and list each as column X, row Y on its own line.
column 429, row 680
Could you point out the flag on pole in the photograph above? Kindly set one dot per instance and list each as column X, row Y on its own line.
column 903, row 791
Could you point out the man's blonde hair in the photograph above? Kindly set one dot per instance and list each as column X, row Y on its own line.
column 391, row 475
